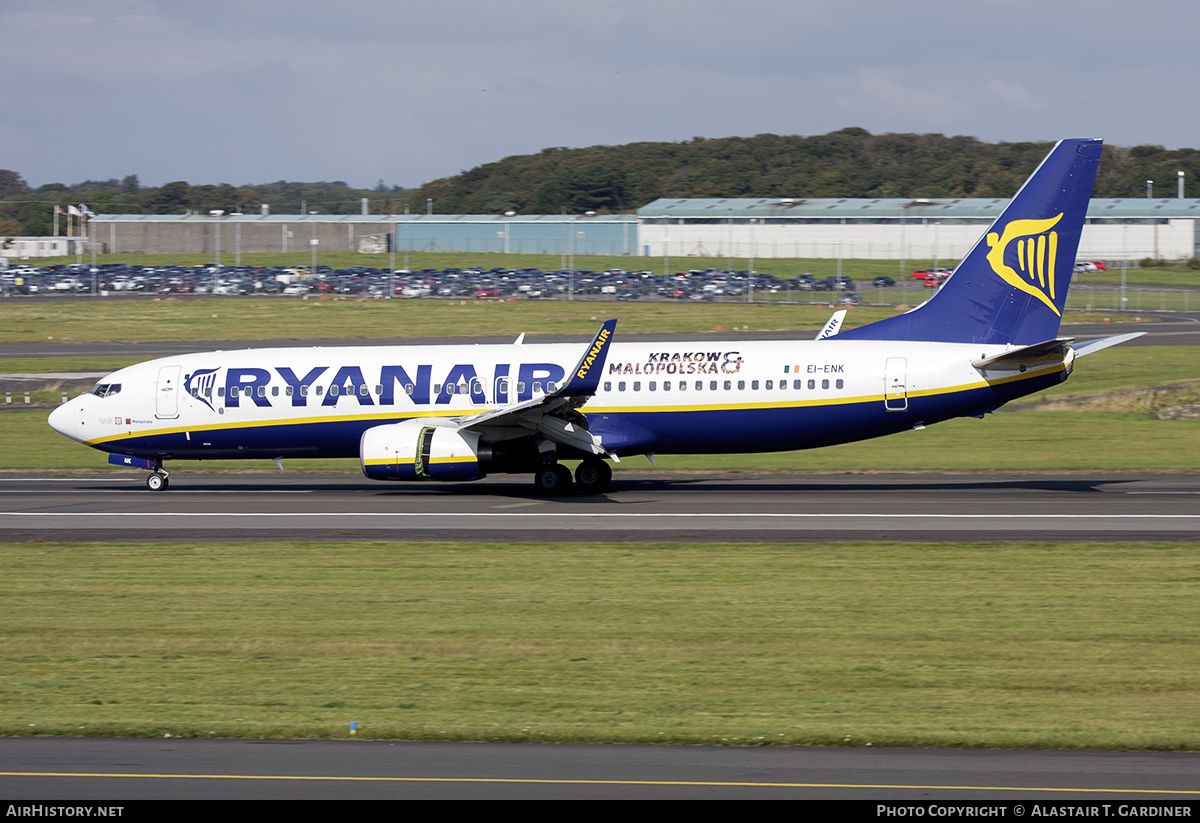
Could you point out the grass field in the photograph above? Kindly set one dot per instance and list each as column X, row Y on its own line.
column 1065, row 645
column 52, row 323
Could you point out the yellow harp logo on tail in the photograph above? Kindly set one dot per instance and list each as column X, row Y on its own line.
column 1037, row 254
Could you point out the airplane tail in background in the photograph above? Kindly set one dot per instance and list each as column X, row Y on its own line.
column 1012, row 286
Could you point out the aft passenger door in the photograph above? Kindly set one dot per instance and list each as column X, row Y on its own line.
column 895, row 386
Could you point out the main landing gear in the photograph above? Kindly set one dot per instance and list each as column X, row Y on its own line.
column 592, row 477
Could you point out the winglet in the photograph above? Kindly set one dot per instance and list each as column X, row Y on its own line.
column 585, row 377
column 833, row 325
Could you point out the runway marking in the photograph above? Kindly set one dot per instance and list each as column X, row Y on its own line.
column 1162, row 492
column 619, row 515
column 587, row 782
column 196, row 491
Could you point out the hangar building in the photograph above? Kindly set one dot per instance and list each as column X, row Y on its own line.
column 891, row 229
column 933, row 229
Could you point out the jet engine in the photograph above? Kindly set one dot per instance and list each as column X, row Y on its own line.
column 428, row 449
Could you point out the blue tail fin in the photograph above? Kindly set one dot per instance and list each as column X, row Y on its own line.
column 1012, row 286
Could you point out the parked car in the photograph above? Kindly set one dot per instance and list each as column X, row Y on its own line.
column 882, row 282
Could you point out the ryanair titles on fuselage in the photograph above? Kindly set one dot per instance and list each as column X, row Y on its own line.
column 420, row 385
column 329, row 385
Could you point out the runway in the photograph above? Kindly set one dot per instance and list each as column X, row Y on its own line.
column 107, row 770
column 640, row 506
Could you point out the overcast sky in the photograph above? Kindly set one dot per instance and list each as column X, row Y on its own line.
column 253, row 91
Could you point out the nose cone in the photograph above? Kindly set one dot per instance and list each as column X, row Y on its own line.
column 62, row 420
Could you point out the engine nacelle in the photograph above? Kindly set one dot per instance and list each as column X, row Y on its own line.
column 429, row 449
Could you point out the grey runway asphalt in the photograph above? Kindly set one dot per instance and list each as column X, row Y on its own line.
column 640, row 506
column 42, row 769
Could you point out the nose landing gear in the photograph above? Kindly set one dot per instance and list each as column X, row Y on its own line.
column 159, row 479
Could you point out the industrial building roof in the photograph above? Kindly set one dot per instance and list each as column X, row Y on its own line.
column 863, row 208
column 366, row 218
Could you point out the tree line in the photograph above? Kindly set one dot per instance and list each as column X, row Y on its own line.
column 851, row 162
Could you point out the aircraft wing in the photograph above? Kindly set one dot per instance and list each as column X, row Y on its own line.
column 543, row 414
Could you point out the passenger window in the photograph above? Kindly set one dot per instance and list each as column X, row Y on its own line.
column 608, row 385
column 840, row 384
column 320, row 390
column 378, row 389
column 408, row 388
column 770, row 385
column 476, row 387
column 824, row 384
column 537, row 386
column 637, row 385
column 333, row 390
column 520, row 388
column 741, row 385
column 262, row 391
column 683, row 385
column 653, row 385
column 437, row 388
column 812, row 384
column 304, row 391
column 551, row 388
column 274, row 391
column 699, row 385
column 666, row 385
column 288, row 391
column 220, row 391
column 362, row 390
column 621, row 386
column 712, row 385
column 728, row 385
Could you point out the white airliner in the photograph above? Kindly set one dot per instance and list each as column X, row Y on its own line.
column 989, row 335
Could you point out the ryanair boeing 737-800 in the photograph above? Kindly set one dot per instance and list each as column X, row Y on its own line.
column 989, row 335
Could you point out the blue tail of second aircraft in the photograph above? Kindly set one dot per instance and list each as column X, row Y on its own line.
column 1012, row 286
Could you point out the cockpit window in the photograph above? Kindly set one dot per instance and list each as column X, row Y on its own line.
column 105, row 389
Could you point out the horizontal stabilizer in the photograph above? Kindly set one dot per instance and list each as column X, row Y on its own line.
column 1051, row 352
column 1093, row 346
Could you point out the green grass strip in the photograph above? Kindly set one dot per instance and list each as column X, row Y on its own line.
column 1028, row 645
